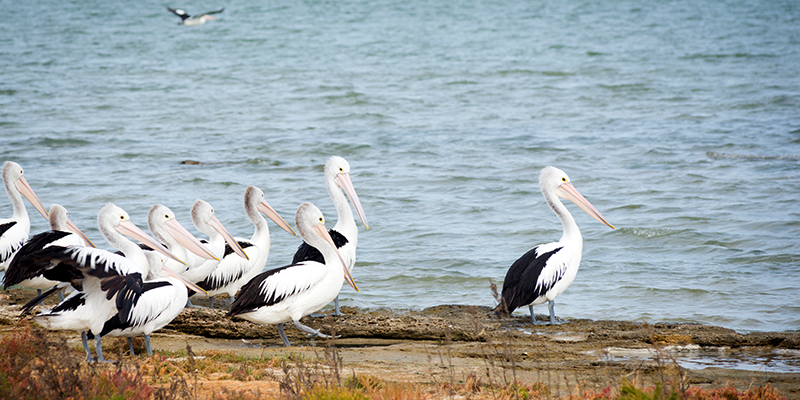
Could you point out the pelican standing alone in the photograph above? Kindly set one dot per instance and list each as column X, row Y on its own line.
column 109, row 283
column 547, row 270
column 233, row 271
column 193, row 20
column 289, row 293
column 15, row 230
column 345, row 232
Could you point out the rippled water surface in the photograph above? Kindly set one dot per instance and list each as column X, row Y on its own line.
column 678, row 121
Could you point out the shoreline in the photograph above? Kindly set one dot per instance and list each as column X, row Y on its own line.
column 452, row 342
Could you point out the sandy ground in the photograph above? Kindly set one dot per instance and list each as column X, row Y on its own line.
column 447, row 344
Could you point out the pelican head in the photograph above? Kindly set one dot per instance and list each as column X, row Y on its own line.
column 254, row 197
column 205, row 221
column 337, row 170
column 162, row 220
column 310, row 224
column 14, row 181
column 554, row 180
column 59, row 221
column 114, row 217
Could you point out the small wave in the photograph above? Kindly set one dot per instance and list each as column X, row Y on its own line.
column 649, row 233
column 50, row 142
column 734, row 156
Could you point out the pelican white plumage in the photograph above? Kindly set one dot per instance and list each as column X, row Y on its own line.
column 233, row 271
column 180, row 242
column 206, row 221
column 163, row 296
column 63, row 232
column 547, row 270
column 345, row 232
column 194, row 20
column 14, row 231
column 289, row 293
column 109, row 283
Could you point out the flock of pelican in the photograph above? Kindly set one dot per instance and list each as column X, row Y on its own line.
column 141, row 288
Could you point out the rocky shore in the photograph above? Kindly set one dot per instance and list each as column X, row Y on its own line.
column 449, row 343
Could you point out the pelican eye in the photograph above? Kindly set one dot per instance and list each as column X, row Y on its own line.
column 122, row 217
column 321, row 220
column 166, row 216
column 563, row 179
column 341, row 169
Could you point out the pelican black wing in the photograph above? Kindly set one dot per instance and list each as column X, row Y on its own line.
column 307, row 253
column 519, row 286
column 21, row 267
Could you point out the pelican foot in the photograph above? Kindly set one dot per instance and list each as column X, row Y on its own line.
column 311, row 330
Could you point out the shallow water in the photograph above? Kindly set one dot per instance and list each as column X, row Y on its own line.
column 677, row 121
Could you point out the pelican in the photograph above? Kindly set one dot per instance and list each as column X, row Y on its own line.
column 233, row 271
column 15, row 230
column 63, row 232
column 109, row 283
column 289, row 293
column 166, row 228
column 547, row 270
column 345, row 232
column 194, row 20
column 205, row 221
column 163, row 296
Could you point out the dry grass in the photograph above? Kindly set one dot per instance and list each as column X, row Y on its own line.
column 36, row 365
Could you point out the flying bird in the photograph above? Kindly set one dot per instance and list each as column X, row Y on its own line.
column 194, row 20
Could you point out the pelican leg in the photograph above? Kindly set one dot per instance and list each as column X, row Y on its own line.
column 311, row 330
column 98, row 347
column 61, row 296
column 147, row 344
column 533, row 316
column 189, row 303
column 283, row 335
column 552, row 306
column 211, row 302
column 130, row 344
column 85, row 341
column 336, row 309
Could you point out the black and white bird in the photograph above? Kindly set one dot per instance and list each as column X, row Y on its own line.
column 63, row 232
column 289, row 293
column 180, row 242
column 107, row 283
column 220, row 241
column 163, row 296
column 14, row 231
column 547, row 270
column 193, row 20
column 345, row 232
column 233, row 271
